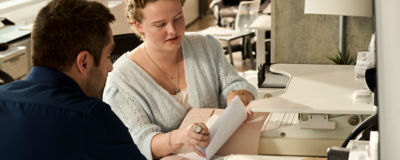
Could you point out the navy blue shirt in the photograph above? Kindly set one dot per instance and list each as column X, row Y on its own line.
column 49, row 117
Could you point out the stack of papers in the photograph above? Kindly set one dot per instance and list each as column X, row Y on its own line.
column 233, row 116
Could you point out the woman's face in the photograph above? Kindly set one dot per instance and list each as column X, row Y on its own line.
column 163, row 24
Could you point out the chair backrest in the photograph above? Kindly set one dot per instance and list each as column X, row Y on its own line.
column 123, row 44
column 231, row 2
column 5, row 78
column 247, row 13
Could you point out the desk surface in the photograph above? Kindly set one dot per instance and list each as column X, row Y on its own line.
column 323, row 89
column 194, row 156
column 267, row 157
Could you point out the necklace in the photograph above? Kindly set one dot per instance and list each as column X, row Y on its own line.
column 176, row 86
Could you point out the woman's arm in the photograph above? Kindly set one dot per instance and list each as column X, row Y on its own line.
column 134, row 117
column 230, row 83
column 166, row 143
column 244, row 95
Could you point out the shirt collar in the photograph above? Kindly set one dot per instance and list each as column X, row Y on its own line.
column 48, row 75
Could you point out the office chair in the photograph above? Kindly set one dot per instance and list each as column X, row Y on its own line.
column 123, row 44
column 239, row 47
column 219, row 14
column 5, row 78
column 224, row 11
column 246, row 14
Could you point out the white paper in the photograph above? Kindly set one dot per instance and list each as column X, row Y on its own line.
column 230, row 120
column 212, row 120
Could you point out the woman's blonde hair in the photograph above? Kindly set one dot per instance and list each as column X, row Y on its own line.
column 133, row 13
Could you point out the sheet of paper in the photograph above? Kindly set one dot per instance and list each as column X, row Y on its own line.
column 233, row 116
column 212, row 120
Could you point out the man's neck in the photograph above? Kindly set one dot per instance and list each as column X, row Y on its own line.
column 77, row 78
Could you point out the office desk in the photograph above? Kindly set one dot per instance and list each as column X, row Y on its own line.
column 325, row 89
column 252, row 77
column 261, row 24
column 315, row 91
column 265, row 157
column 194, row 156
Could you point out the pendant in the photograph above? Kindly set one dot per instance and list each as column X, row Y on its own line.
column 177, row 90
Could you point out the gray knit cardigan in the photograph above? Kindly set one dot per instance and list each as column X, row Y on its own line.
column 147, row 109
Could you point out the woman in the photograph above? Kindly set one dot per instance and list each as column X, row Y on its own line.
column 152, row 87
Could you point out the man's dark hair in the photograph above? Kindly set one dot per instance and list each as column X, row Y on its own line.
column 63, row 28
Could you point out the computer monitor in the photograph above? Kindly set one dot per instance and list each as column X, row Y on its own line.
column 387, row 22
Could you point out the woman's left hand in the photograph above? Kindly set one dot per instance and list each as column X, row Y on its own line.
column 244, row 95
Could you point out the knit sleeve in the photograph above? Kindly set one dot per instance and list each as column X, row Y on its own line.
column 134, row 117
column 228, row 78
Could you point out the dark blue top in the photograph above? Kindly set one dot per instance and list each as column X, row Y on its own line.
column 49, row 117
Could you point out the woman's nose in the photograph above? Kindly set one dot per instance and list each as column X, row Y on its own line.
column 171, row 29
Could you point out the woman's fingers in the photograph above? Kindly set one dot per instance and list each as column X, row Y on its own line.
column 204, row 134
column 244, row 95
column 244, row 100
column 249, row 113
column 199, row 143
column 197, row 129
column 200, row 137
column 197, row 151
column 204, row 129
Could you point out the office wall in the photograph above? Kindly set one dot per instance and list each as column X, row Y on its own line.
column 300, row 38
column 191, row 11
column 120, row 25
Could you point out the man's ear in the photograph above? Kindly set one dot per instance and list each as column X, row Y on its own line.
column 83, row 62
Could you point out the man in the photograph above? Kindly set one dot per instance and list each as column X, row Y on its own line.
column 57, row 112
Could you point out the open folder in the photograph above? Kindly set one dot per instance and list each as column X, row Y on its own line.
column 229, row 132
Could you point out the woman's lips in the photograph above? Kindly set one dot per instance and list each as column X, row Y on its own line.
column 173, row 39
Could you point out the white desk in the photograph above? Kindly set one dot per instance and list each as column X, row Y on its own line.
column 325, row 89
column 266, row 157
column 312, row 90
column 261, row 24
column 193, row 156
column 252, row 77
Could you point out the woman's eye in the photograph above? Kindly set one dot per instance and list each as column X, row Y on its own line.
column 160, row 25
column 178, row 18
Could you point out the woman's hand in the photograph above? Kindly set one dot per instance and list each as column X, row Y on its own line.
column 244, row 95
column 189, row 136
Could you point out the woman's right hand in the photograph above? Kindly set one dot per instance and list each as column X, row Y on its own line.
column 189, row 137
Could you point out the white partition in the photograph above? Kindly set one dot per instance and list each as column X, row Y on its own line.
column 388, row 65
